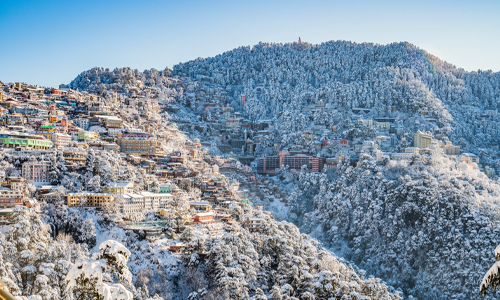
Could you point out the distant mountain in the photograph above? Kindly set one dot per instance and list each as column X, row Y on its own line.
column 399, row 76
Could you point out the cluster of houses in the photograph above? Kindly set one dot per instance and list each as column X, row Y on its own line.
column 383, row 137
column 37, row 121
column 14, row 192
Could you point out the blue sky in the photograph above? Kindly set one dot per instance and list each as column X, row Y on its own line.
column 51, row 42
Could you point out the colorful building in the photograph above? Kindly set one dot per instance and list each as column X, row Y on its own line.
column 27, row 141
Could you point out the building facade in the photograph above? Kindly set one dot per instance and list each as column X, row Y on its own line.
column 87, row 136
column 88, row 199
column 36, row 172
column 10, row 198
column 422, row 140
column 141, row 143
column 26, row 141
column 269, row 164
column 119, row 188
column 61, row 140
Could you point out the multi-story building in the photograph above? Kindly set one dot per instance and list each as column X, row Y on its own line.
column 87, row 136
column 422, row 140
column 46, row 131
column 61, row 140
column 469, row 157
column 83, row 123
column 165, row 188
column 10, row 198
column 384, row 142
column 204, row 218
column 155, row 200
column 127, row 205
column 269, row 164
column 23, row 140
column 141, row 143
column 450, row 149
column 231, row 123
column 415, row 150
column 89, row 199
column 490, row 172
column 254, row 224
column 200, row 206
column 119, row 188
column 74, row 155
column 6, row 215
column 112, row 121
column 385, row 125
column 402, row 156
column 368, row 122
column 36, row 172
column 17, row 183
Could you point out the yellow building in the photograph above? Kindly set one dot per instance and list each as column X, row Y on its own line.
column 141, row 143
column 422, row 140
column 112, row 121
column 88, row 199
column 450, row 149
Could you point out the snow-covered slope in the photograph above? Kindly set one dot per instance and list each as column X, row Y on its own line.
column 286, row 77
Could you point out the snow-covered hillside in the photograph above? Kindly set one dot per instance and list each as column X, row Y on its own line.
column 390, row 79
column 427, row 225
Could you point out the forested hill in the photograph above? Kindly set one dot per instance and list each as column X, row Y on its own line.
column 281, row 77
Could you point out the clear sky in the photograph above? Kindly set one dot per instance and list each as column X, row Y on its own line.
column 51, row 42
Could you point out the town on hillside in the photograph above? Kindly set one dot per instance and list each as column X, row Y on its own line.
column 49, row 131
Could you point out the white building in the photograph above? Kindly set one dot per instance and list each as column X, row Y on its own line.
column 83, row 123
column 473, row 157
column 422, row 140
column 127, row 205
column 131, row 203
column 37, row 173
column 61, row 140
column 412, row 150
column 401, row 156
column 119, row 188
column 254, row 224
column 155, row 200
column 364, row 122
column 379, row 155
